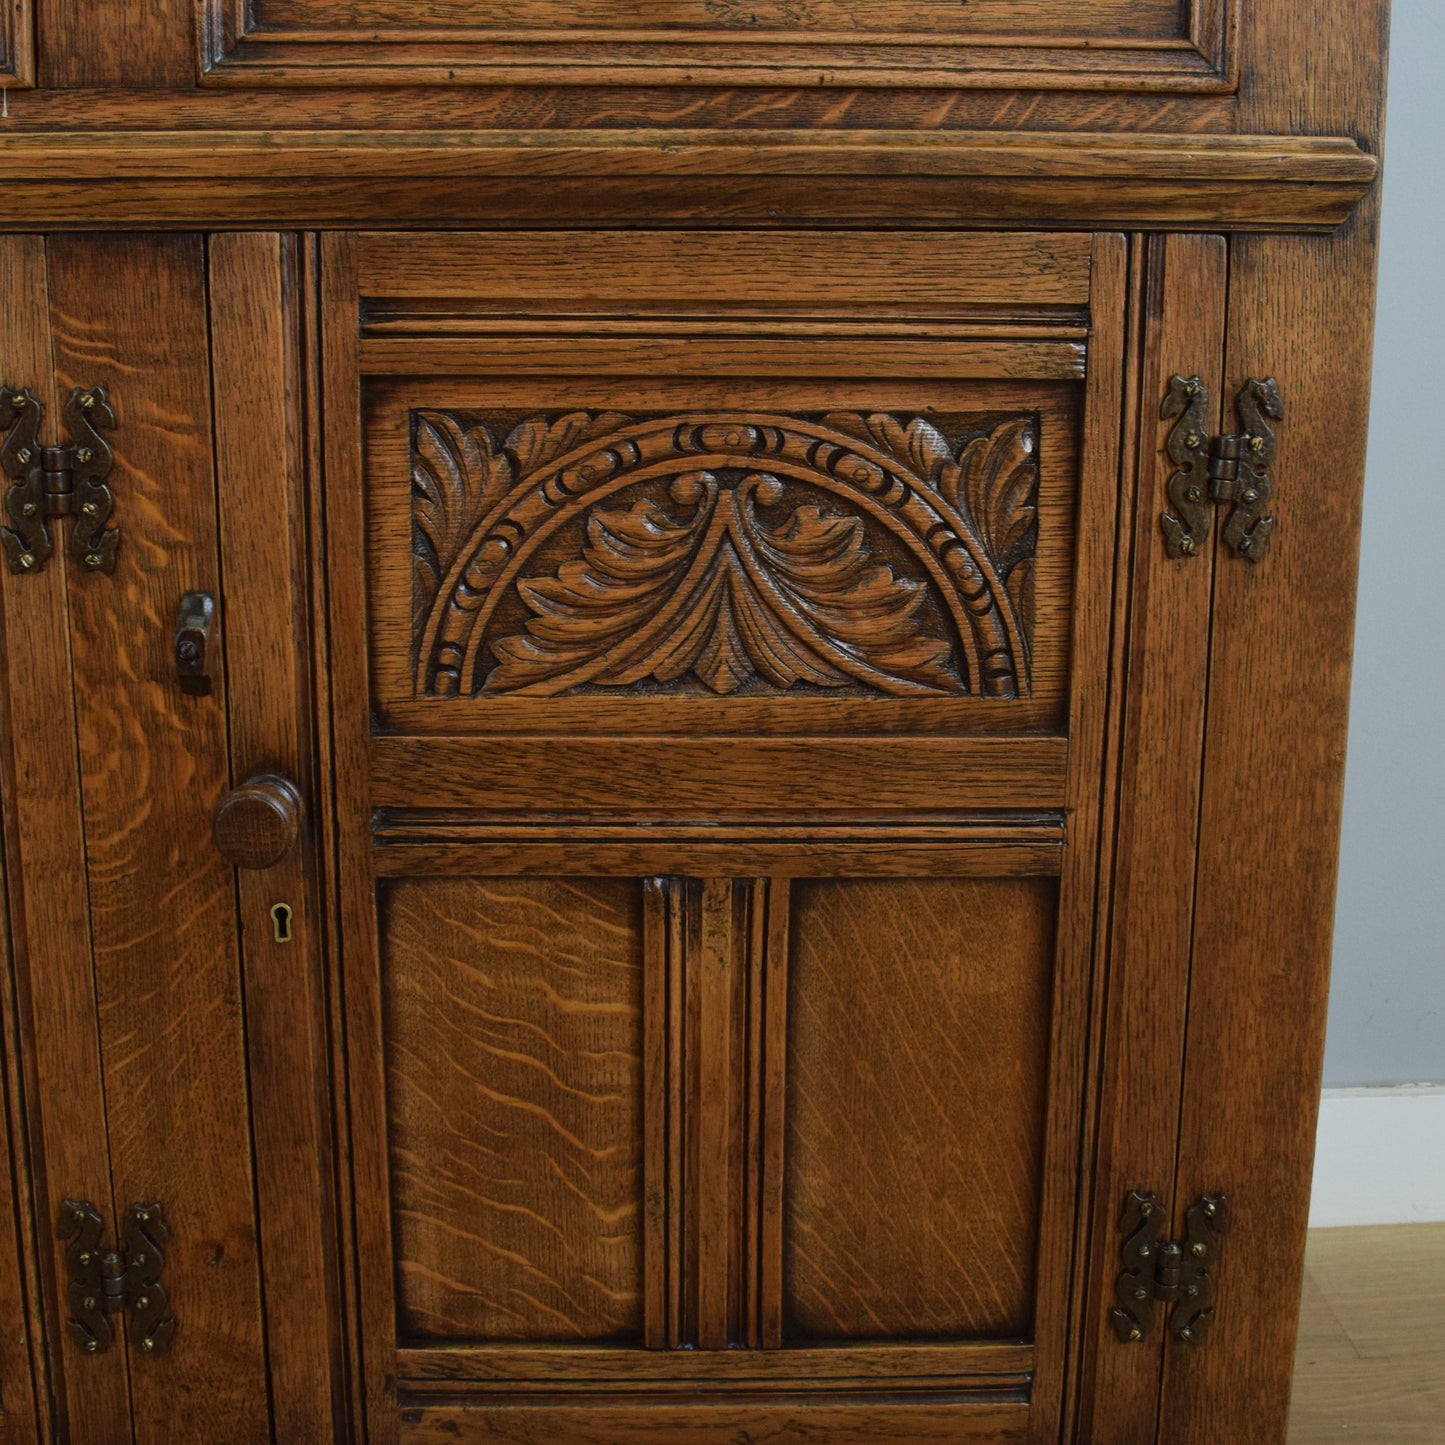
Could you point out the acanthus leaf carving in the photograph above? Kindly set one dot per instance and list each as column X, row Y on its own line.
column 727, row 597
column 456, row 472
column 540, row 440
column 729, row 567
column 995, row 484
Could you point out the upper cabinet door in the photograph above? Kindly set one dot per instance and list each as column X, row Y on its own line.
column 727, row 644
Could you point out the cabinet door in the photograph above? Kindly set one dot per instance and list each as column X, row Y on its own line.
column 147, row 1034
column 727, row 641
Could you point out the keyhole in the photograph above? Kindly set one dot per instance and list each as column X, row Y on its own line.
column 281, row 922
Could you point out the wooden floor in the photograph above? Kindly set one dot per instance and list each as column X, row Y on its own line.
column 1371, row 1359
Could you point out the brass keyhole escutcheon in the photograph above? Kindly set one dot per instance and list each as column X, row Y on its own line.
column 281, row 916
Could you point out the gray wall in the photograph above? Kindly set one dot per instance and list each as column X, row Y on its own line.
column 1387, row 1008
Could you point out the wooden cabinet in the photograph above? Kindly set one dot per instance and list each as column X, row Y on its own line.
column 672, row 710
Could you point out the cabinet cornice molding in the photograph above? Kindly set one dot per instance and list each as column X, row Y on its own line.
column 317, row 178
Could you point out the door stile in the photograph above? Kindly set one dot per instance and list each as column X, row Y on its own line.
column 1156, row 835
column 326, row 816
column 255, row 346
column 713, row 1077
column 714, row 1021
column 1083, row 1306
column 1089, row 737
column 20, row 1293
column 50, row 915
column 365, row 1083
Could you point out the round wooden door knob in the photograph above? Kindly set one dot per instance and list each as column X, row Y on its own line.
column 258, row 824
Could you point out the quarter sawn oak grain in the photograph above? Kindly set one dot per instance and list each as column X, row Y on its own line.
column 783, row 849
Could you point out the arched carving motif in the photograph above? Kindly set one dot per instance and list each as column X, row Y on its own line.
column 730, row 551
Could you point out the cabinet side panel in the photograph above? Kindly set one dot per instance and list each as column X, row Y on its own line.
column 1270, row 831
column 1300, row 310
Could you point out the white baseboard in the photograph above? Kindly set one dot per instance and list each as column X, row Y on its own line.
column 1380, row 1157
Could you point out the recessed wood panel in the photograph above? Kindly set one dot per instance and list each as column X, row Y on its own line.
column 1123, row 44
column 918, row 1036
column 513, row 1057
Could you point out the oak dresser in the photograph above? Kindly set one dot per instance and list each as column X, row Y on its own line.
column 673, row 679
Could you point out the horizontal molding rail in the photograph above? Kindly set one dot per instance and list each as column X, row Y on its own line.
column 164, row 178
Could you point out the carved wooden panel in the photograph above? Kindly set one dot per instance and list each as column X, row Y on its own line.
column 513, row 1062
column 918, row 1038
column 723, row 553
column 1102, row 44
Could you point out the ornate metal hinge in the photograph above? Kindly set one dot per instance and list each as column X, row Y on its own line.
column 1233, row 469
column 57, row 481
column 1164, row 1273
column 105, row 1282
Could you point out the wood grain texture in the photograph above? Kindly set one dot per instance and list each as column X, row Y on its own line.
column 655, row 268
column 1278, row 706
column 124, row 44
column 723, row 776
column 131, row 316
column 565, row 344
column 1097, row 44
column 873, row 1365
column 1371, row 1354
column 515, row 1083
column 49, row 919
column 362, row 1025
column 624, row 107
column 1072, row 1094
column 21, row 1323
column 1166, row 637
column 939, row 1421
column 632, row 850
column 17, row 43
column 792, row 197
column 1154, row 19
column 917, row 1039
column 260, row 469
column 332, row 152
column 714, row 1097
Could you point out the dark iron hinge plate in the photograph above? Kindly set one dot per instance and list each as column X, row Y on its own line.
column 1233, row 469
column 1160, row 1272
column 103, row 1282
column 65, row 481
